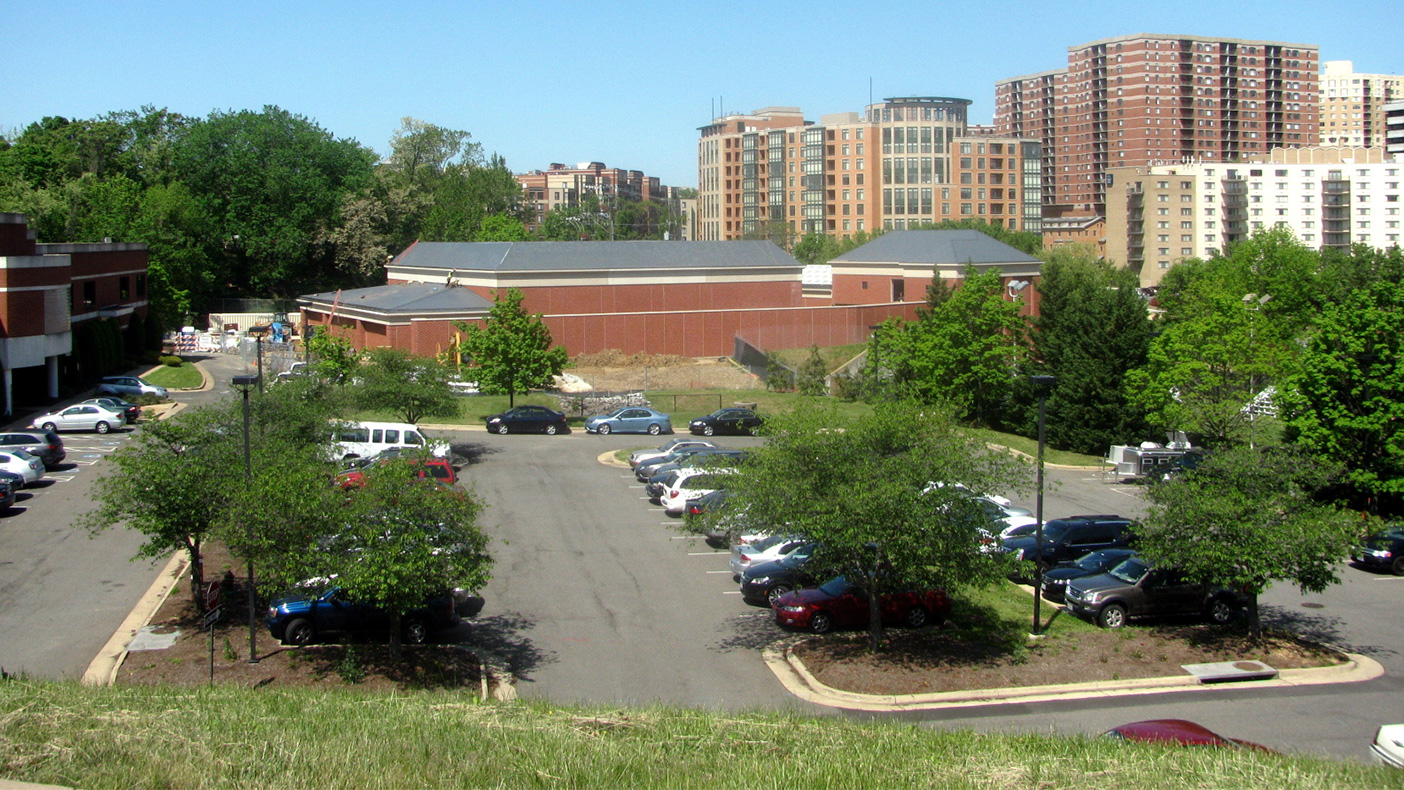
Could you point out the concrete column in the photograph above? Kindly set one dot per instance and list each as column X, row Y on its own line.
column 9, row 402
column 51, row 368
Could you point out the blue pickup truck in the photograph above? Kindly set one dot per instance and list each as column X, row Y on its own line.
column 302, row 619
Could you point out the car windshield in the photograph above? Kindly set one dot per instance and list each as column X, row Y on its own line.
column 835, row 587
column 1389, row 534
column 1096, row 561
column 794, row 558
column 1130, row 571
column 1053, row 531
column 765, row 544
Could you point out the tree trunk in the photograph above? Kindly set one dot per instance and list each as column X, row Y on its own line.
column 1255, row 625
column 197, row 575
column 395, row 619
column 874, row 622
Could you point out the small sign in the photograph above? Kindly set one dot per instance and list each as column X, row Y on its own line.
column 211, row 617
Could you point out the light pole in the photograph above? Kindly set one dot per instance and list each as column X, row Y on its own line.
column 1043, row 384
column 245, row 384
column 1254, row 304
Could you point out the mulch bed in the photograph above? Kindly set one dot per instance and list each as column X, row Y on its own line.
column 930, row 660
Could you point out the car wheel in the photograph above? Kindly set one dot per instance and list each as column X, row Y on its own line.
column 102, row 427
column 916, row 617
column 49, row 427
column 1221, row 612
column 821, row 623
column 1113, row 615
column 416, row 632
column 502, row 429
column 550, row 430
column 299, row 632
column 1397, row 567
column 654, row 429
column 708, row 430
column 774, row 593
column 604, row 429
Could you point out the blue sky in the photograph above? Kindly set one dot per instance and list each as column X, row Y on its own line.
column 625, row 83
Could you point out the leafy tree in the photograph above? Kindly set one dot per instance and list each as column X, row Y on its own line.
column 466, row 195
column 812, row 373
column 500, row 227
column 333, row 357
column 402, row 540
column 816, row 248
column 512, row 351
column 1346, row 401
column 778, row 376
column 1246, row 518
column 864, row 495
column 410, row 386
column 962, row 352
column 420, row 152
column 1092, row 328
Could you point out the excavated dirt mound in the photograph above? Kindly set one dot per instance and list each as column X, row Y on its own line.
column 613, row 371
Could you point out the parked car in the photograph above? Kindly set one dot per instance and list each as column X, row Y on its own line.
column 82, row 417
column 691, row 456
column 768, row 549
column 1134, row 590
column 45, row 444
column 690, row 484
column 734, row 420
column 130, row 411
column 839, row 603
column 1382, row 551
column 766, row 581
column 27, row 466
column 128, row 386
column 432, row 468
column 632, row 419
column 640, row 456
column 366, row 439
column 1178, row 731
column 1055, row 579
column 299, row 619
column 1071, row 537
column 528, row 419
column 7, row 494
column 1388, row 746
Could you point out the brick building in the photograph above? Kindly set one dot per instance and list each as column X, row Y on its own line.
column 1146, row 99
column 562, row 186
column 902, row 163
column 46, row 290
column 1353, row 105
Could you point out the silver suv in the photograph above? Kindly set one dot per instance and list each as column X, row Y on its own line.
column 128, row 386
column 44, row 444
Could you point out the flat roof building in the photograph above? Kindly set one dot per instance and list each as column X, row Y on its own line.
column 1353, row 105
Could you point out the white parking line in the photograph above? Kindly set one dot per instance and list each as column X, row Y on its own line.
column 1389, row 578
column 718, row 571
column 636, row 486
column 60, row 478
column 730, row 592
column 707, row 553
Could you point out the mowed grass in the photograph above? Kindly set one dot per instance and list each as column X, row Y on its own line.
column 1030, row 448
column 185, row 377
column 71, row 735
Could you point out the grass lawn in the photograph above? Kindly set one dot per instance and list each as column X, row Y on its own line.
column 330, row 738
column 1030, row 447
column 185, row 377
column 833, row 356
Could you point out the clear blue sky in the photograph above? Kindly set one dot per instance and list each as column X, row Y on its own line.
column 625, row 83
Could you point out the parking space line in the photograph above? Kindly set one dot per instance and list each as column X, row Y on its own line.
column 707, row 553
column 731, row 592
column 636, row 486
column 60, row 478
column 1389, row 579
column 718, row 571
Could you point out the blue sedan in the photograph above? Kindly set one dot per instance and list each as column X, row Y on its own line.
column 631, row 419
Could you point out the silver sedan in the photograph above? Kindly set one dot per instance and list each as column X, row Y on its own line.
column 82, row 417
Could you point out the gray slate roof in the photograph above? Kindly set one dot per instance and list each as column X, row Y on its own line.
column 406, row 298
column 933, row 247
column 592, row 255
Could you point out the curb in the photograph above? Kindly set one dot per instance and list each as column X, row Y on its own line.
column 448, row 427
column 607, row 458
column 796, row 678
column 102, row 671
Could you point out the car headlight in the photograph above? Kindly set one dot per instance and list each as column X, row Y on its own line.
column 759, row 580
column 791, row 609
column 1381, row 553
column 1095, row 597
column 1020, row 556
column 272, row 612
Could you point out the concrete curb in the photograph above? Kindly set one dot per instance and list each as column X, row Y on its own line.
column 796, row 678
column 102, row 671
column 447, row 427
column 607, row 458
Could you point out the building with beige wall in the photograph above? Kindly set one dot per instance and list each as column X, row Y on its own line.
column 1144, row 99
column 564, row 186
column 902, row 163
column 1353, row 105
column 1328, row 197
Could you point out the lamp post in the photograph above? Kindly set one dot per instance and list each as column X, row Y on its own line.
column 1254, row 304
column 245, row 384
column 1043, row 384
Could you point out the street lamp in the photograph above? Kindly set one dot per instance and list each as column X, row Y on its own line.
column 245, row 384
column 1042, row 384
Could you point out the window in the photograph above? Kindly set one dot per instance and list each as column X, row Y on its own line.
column 124, row 288
column 89, row 295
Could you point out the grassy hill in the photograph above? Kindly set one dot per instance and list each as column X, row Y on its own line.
column 225, row 737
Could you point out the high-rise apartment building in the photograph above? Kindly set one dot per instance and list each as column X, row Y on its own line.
column 902, row 163
column 1328, row 197
column 564, row 186
column 1394, row 127
column 1143, row 99
column 1353, row 105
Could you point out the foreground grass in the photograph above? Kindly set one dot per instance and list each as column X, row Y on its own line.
column 185, row 377
column 66, row 734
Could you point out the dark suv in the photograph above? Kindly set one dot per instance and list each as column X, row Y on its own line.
column 1072, row 537
column 1134, row 589
column 1383, row 551
column 303, row 619
column 45, row 444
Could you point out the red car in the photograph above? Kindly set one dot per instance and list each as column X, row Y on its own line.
column 437, row 469
column 1178, row 731
column 839, row 603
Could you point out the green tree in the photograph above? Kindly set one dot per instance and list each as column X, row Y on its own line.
column 864, row 495
column 512, row 351
column 500, row 227
column 1345, row 402
column 813, row 373
column 333, row 357
column 1092, row 327
column 1246, row 518
column 420, row 152
column 410, row 386
column 962, row 352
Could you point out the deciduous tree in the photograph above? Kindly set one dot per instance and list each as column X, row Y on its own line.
column 512, row 351
column 410, row 386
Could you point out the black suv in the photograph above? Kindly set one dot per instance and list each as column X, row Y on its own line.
column 1134, row 589
column 1383, row 551
column 1069, row 538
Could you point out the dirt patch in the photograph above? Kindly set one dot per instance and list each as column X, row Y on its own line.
column 616, row 372
column 929, row 661
column 444, row 664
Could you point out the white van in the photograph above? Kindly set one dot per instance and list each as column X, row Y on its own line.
column 364, row 439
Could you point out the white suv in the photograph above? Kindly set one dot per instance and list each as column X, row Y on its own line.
column 690, row 484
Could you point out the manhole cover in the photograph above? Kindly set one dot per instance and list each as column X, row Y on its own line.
column 1312, row 605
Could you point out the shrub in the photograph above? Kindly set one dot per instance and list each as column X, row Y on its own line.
column 172, row 361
